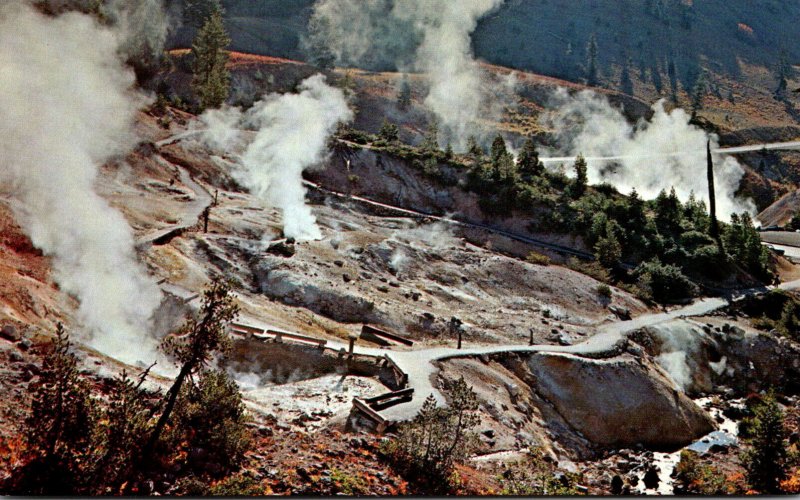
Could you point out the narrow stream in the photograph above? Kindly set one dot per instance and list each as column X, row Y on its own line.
column 725, row 435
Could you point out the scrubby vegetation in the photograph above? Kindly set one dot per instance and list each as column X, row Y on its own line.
column 662, row 247
column 777, row 310
column 428, row 448
column 80, row 440
column 537, row 476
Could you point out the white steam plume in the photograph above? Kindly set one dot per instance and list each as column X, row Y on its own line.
column 67, row 106
column 431, row 36
column 650, row 156
column 293, row 130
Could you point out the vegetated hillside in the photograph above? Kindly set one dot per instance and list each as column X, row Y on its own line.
column 665, row 43
column 720, row 35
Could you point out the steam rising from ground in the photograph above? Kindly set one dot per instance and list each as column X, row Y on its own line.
column 68, row 106
column 650, row 156
column 293, row 130
column 431, row 36
column 679, row 344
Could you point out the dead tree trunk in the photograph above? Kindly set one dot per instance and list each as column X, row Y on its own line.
column 712, row 202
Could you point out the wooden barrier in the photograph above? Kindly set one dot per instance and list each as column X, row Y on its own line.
column 373, row 415
column 382, row 337
column 400, row 375
column 279, row 336
column 249, row 331
column 386, row 399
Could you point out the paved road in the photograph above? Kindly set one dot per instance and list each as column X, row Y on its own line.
column 790, row 145
column 420, row 366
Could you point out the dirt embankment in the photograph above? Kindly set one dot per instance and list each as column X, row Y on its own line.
column 385, row 178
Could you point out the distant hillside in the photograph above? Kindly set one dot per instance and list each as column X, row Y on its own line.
column 650, row 37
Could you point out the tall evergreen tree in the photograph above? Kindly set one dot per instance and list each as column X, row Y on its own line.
column 528, row 161
column 625, row 79
column 197, row 12
column 581, row 181
column 210, row 81
column 591, row 61
column 404, row 94
column 766, row 461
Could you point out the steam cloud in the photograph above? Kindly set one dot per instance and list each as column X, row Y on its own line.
column 293, row 130
column 68, row 106
column 431, row 36
column 650, row 156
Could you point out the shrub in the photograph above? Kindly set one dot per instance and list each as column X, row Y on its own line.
column 604, row 290
column 536, row 477
column 593, row 269
column 664, row 282
column 766, row 461
column 538, row 258
column 238, row 485
column 210, row 416
column 702, row 479
column 348, row 484
column 427, row 449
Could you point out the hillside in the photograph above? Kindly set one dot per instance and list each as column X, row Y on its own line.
column 664, row 44
column 393, row 269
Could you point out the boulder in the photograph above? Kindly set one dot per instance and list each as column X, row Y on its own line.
column 650, row 478
column 9, row 332
column 618, row 402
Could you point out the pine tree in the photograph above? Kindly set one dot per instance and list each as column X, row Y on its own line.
column 195, row 345
column 766, row 461
column 404, row 94
column 498, row 149
column 699, row 91
column 389, row 132
column 591, row 61
column 430, row 143
column 625, row 80
column 783, row 73
column 528, row 161
column 474, row 149
column 210, row 81
column 59, row 430
column 581, row 181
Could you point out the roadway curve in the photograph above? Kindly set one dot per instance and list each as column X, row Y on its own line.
column 772, row 146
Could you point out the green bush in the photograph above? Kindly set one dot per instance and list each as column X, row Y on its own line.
column 536, row 476
column 427, row 448
column 538, row 258
column 210, row 416
column 604, row 290
column 766, row 461
column 664, row 283
column 701, row 479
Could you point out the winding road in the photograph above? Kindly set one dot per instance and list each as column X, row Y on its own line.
column 419, row 364
column 772, row 146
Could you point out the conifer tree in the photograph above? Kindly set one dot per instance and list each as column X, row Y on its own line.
column 528, row 161
column 581, row 181
column 591, row 61
column 404, row 95
column 210, row 81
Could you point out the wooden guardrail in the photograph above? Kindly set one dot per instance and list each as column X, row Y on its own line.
column 401, row 395
column 381, row 337
column 373, row 415
column 278, row 336
column 400, row 375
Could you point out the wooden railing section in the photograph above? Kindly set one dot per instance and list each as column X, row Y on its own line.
column 277, row 335
column 382, row 337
